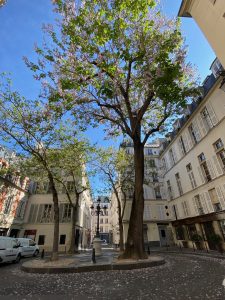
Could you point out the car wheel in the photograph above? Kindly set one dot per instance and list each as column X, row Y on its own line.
column 36, row 252
column 17, row 260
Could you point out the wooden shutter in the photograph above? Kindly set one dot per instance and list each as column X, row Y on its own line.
column 202, row 126
column 189, row 140
column 195, row 206
column 186, row 145
column 211, row 169
column 201, row 175
column 220, row 197
column 209, row 202
column 217, row 165
column 212, row 114
column 174, row 154
column 196, row 130
column 147, row 214
column 203, row 203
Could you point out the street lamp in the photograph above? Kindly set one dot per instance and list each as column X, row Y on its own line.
column 97, row 211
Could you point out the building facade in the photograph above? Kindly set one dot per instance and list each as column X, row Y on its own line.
column 210, row 17
column 38, row 221
column 194, row 163
column 156, row 210
column 13, row 196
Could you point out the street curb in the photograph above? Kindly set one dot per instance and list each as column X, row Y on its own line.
column 94, row 268
column 190, row 253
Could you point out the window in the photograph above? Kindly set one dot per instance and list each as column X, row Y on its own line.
column 182, row 146
column 220, row 152
column 101, row 229
column 41, row 240
column 215, row 200
column 101, row 220
column 164, row 164
column 62, row 239
column 106, row 221
column 45, row 211
column 148, row 152
column 179, row 233
column 157, row 192
column 155, row 177
column 204, row 167
column 8, row 204
column 70, row 186
column 152, row 163
column 66, row 213
column 191, row 176
column 179, row 186
column 169, row 188
column 199, row 205
column 206, row 118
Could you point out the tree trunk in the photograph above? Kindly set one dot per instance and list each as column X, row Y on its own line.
column 135, row 239
column 55, row 246
column 72, row 248
column 121, row 244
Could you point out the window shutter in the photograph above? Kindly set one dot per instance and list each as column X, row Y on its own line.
column 209, row 202
column 212, row 114
column 30, row 219
column 191, row 180
column 189, row 141
column 61, row 212
column 40, row 212
column 195, row 206
column 147, row 214
column 203, row 203
column 211, row 169
column 186, row 145
column 201, row 175
column 217, row 165
column 202, row 126
column 196, row 130
column 220, row 197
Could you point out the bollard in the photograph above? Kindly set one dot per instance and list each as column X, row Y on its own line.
column 149, row 252
column 93, row 256
column 43, row 254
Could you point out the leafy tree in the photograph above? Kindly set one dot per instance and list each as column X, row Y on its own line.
column 121, row 63
column 31, row 128
column 116, row 166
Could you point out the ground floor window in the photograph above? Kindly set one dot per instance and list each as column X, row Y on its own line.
column 41, row 240
column 62, row 239
column 222, row 226
column 191, row 229
column 179, row 233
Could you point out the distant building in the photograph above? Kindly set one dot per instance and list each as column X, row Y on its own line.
column 156, row 211
column 210, row 17
column 13, row 196
column 105, row 229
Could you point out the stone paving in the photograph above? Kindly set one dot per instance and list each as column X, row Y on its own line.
column 183, row 277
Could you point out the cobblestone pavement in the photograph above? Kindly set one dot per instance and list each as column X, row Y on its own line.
column 182, row 277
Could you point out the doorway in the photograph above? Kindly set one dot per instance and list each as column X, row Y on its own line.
column 209, row 231
column 163, row 235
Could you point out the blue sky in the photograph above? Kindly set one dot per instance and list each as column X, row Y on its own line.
column 21, row 22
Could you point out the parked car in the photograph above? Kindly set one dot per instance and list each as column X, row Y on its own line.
column 28, row 247
column 9, row 250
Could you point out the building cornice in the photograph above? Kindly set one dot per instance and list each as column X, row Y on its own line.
column 185, row 8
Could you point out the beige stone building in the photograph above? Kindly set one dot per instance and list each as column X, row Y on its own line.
column 194, row 162
column 13, row 196
column 38, row 221
column 210, row 17
column 156, row 211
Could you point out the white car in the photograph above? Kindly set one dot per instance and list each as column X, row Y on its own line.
column 28, row 247
column 9, row 250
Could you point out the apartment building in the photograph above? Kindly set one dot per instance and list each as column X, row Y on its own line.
column 13, row 196
column 194, row 163
column 210, row 17
column 157, row 213
column 38, row 220
column 105, row 230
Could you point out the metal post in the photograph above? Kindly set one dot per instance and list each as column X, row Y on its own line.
column 149, row 250
column 93, row 256
column 43, row 254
